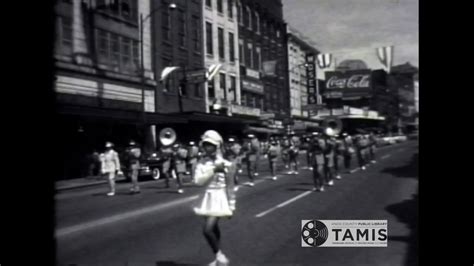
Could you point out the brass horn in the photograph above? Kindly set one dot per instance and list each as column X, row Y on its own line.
column 332, row 126
column 167, row 136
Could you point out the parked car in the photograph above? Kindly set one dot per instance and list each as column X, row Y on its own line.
column 150, row 166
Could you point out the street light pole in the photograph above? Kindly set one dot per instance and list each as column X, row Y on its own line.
column 171, row 6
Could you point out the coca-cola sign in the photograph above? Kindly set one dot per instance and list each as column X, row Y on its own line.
column 348, row 80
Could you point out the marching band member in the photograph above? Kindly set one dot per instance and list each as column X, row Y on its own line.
column 233, row 153
column 110, row 165
column 293, row 153
column 218, row 200
column 168, row 165
column 338, row 153
column 348, row 150
column 272, row 153
column 285, row 147
column 252, row 149
column 316, row 146
column 329, row 157
column 193, row 155
column 133, row 153
column 180, row 155
column 373, row 147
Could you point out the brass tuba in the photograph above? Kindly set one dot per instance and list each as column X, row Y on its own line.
column 167, row 136
column 332, row 126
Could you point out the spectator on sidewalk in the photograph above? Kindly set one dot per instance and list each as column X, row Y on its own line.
column 110, row 166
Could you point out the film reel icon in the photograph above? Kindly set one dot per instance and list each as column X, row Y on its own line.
column 314, row 233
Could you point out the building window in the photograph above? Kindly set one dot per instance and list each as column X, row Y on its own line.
column 220, row 33
column 166, row 25
column 197, row 90
column 230, row 8
column 257, row 17
column 249, row 56
column 243, row 99
column 195, row 25
column 233, row 88
column 256, row 59
column 241, row 52
column 249, row 15
column 211, row 88
column 183, row 89
column 64, row 35
column 223, row 86
column 254, row 21
column 220, row 7
column 125, row 9
column 209, row 3
column 231, row 47
column 209, row 39
column 240, row 14
column 182, row 28
column 117, row 52
column 246, row 16
column 168, row 81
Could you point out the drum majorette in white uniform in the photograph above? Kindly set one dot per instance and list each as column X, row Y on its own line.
column 218, row 200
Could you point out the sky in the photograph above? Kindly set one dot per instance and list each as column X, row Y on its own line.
column 353, row 29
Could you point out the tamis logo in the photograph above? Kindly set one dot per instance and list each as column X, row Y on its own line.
column 313, row 233
column 344, row 233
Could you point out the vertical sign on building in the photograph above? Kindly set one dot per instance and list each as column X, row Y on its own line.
column 311, row 78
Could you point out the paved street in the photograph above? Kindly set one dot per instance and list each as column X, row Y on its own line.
column 158, row 227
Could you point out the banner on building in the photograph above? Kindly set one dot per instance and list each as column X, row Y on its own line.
column 385, row 55
column 324, row 60
column 212, row 71
column 167, row 71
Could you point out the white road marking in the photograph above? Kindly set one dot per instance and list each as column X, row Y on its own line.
column 385, row 156
column 283, row 204
column 115, row 218
column 354, row 170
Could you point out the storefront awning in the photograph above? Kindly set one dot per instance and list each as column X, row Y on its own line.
column 122, row 115
column 264, row 130
column 380, row 118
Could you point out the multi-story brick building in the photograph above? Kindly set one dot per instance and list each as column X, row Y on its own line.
column 262, row 39
column 178, row 41
column 98, row 82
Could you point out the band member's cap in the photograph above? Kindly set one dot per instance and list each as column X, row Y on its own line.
column 344, row 134
column 132, row 143
column 315, row 133
column 191, row 143
column 211, row 136
column 231, row 139
column 109, row 144
column 250, row 135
